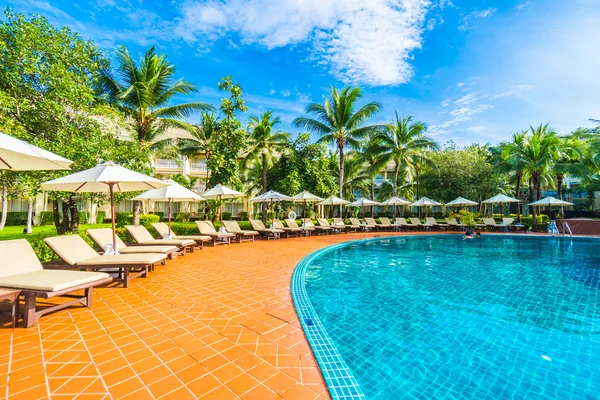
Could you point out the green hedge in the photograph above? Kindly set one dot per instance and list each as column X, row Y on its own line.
column 16, row 218
column 148, row 219
column 227, row 216
column 243, row 216
column 182, row 216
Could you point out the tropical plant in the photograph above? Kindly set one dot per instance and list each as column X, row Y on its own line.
column 356, row 176
column 265, row 144
column 144, row 92
column 373, row 159
column 338, row 122
column 404, row 143
column 203, row 139
column 510, row 160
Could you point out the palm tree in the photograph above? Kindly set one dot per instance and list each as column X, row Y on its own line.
column 265, row 145
column 376, row 163
column 204, row 139
column 404, row 143
column 339, row 123
column 144, row 92
column 538, row 154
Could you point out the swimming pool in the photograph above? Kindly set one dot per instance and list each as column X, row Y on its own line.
column 434, row 317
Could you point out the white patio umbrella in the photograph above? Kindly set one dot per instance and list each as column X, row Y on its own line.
column 395, row 201
column 306, row 197
column 270, row 197
column 552, row 201
column 18, row 155
column 424, row 202
column 333, row 201
column 362, row 203
column 219, row 193
column 461, row 202
column 503, row 199
column 172, row 193
column 105, row 178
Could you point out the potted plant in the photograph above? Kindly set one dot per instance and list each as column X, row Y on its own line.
column 467, row 218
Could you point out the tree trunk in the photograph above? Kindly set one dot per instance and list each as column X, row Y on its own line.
column 136, row 212
column 534, row 193
column 395, row 183
column 29, row 215
column 65, row 224
column 341, row 148
column 559, row 183
column 74, row 226
column 518, row 195
column 56, row 216
column 417, row 176
column 373, row 188
column 4, row 206
column 264, row 186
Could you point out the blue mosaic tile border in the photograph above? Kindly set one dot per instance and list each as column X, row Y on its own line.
column 338, row 376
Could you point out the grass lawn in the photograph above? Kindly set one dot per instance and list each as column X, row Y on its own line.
column 16, row 232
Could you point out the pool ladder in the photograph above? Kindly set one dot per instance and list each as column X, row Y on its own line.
column 564, row 231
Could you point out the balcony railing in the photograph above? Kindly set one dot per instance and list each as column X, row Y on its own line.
column 201, row 166
column 166, row 164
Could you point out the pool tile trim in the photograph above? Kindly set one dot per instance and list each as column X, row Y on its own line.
column 339, row 377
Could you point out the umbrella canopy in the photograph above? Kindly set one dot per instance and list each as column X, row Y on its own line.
column 222, row 192
column 306, row 197
column 271, row 195
column 172, row 193
column 105, row 178
column 17, row 155
column 461, row 202
column 395, row 201
column 500, row 198
column 425, row 202
column 333, row 201
column 551, row 201
column 362, row 202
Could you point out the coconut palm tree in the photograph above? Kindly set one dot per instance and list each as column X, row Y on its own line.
column 538, row 155
column 376, row 163
column 339, row 122
column 404, row 143
column 265, row 145
column 203, row 140
column 144, row 92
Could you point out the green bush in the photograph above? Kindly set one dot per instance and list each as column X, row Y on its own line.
column 184, row 228
column 182, row 216
column 148, row 219
column 100, row 216
column 47, row 218
column 227, row 216
column 161, row 215
column 243, row 216
column 123, row 218
column 16, row 218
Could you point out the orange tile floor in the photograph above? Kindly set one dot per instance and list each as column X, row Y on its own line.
column 215, row 324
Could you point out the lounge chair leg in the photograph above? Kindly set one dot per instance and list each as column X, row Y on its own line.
column 29, row 310
column 88, row 297
column 125, row 277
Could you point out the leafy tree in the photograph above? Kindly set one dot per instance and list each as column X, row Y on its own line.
column 460, row 172
column 204, row 139
column 231, row 140
column 47, row 97
column 339, row 122
column 305, row 166
column 373, row 159
column 356, row 176
column 144, row 92
column 403, row 142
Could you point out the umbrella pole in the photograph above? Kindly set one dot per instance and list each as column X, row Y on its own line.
column 112, row 215
column 170, row 217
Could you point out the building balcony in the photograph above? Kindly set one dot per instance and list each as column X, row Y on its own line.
column 166, row 164
column 201, row 166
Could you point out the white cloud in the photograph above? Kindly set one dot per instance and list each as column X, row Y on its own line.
column 272, row 91
column 445, row 103
column 525, row 87
column 523, row 5
column 476, row 129
column 285, row 93
column 341, row 34
column 460, row 84
column 470, row 19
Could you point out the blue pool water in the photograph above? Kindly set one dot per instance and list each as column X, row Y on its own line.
column 440, row 317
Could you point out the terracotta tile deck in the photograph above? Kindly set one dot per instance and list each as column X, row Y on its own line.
column 216, row 324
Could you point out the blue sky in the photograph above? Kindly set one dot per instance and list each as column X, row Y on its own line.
column 474, row 71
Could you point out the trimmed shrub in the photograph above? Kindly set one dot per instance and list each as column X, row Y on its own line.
column 47, row 218
column 243, row 216
column 100, row 217
column 123, row 218
column 161, row 215
column 148, row 219
column 16, row 218
column 182, row 216
column 227, row 216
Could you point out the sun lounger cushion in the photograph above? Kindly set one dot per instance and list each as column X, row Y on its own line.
column 21, row 269
column 103, row 236
column 234, row 227
column 141, row 235
column 163, row 229
column 75, row 251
